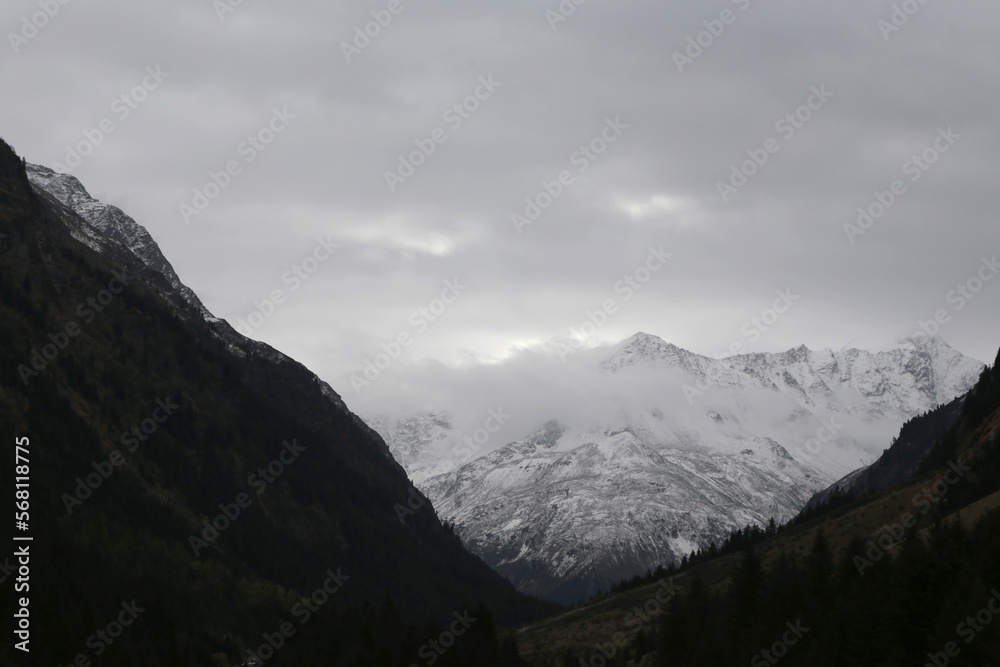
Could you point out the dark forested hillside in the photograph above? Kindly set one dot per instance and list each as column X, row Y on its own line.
column 204, row 479
column 898, row 463
column 923, row 589
column 824, row 611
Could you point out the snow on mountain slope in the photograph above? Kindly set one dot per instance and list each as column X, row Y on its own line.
column 111, row 232
column 111, row 222
column 425, row 445
column 675, row 450
column 564, row 513
column 916, row 376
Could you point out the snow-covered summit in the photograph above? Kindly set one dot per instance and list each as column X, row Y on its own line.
column 668, row 451
column 111, row 222
column 916, row 375
column 645, row 350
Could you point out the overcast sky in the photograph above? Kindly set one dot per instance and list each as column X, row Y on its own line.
column 667, row 121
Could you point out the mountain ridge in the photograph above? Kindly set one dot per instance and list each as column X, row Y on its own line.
column 111, row 222
column 770, row 425
column 237, row 402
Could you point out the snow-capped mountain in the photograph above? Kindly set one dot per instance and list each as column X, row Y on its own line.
column 111, row 223
column 685, row 449
column 111, row 232
column 916, row 376
column 564, row 513
column 425, row 445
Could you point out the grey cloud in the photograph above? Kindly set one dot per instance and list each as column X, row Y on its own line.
column 656, row 186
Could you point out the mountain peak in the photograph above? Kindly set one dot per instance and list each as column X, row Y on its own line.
column 644, row 349
column 645, row 341
column 110, row 222
column 795, row 354
column 923, row 342
column 642, row 336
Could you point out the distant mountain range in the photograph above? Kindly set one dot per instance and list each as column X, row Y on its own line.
column 714, row 444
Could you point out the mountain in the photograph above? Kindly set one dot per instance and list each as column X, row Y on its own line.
column 696, row 448
column 107, row 222
column 917, row 375
column 205, row 479
column 424, row 444
column 902, row 572
column 564, row 514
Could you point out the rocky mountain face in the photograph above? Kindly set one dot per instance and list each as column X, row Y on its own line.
column 116, row 236
column 108, row 222
column 916, row 376
column 252, row 480
column 709, row 445
column 418, row 441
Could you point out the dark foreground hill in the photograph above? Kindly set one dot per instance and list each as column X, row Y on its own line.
column 203, row 487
